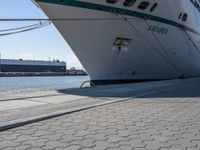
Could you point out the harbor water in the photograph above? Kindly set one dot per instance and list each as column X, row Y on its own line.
column 10, row 85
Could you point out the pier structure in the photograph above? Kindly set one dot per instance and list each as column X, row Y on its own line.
column 163, row 115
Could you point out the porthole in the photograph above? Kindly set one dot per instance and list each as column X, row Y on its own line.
column 111, row 1
column 129, row 3
column 153, row 7
column 143, row 5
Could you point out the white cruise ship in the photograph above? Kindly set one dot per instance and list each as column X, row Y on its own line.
column 130, row 40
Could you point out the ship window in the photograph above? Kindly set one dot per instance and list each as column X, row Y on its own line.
column 185, row 16
column 143, row 5
column 111, row 1
column 129, row 3
column 153, row 7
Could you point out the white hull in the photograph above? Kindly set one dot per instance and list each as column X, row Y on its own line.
column 150, row 55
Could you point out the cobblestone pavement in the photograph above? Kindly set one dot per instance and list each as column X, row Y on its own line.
column 23, row 107
column 163, row 121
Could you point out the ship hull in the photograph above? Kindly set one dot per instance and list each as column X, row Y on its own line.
column 155, row 50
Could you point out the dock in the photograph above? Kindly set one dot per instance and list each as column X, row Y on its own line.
column 161, row 115
column 39, row 74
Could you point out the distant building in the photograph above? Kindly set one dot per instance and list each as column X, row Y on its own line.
column 7, row 65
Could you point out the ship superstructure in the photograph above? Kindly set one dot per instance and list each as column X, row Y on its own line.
column 130, row 40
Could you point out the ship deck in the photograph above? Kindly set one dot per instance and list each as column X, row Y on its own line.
column 153, row 116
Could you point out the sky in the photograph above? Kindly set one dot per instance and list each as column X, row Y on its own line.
column 40, row 44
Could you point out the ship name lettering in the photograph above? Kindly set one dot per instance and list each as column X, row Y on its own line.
column 157, row 29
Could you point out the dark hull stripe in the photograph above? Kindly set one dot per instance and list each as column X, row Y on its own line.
column 125, row 81
column 111, row 9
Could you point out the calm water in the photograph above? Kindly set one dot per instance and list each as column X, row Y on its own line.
column 9, row 85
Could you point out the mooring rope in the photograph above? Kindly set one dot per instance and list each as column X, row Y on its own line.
column 42, row 23
column 19, row 28
column 24, row 28
column 55, row 19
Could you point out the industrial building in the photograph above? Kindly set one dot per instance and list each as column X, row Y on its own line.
column 8, row 65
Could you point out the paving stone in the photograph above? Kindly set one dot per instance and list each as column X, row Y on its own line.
column 98, row 137
column 182, row 143
column 53, row 144
column 41, row 133
column 149, row 123
column 8, row 143
column 102, row 145
column 70, row 138
column 34, row 148
column 82, row 133
column 181, row 147
column 192, row 148
column 25, row 137
column 116, row 139
column 60, row 148
column 108, row 131
column 123, row 147
column 21, row 147
column 85, row 143
column 12, row 136
column 26, row 132
column 123, row 133
column 36, row 143
column 87, row 149
column 73, row 147
column 53, row 137
column 196, row 141
column 136, row 143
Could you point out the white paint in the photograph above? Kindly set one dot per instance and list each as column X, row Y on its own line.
column 92, row 41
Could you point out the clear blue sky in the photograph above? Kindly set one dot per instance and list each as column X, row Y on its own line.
column 39, row 44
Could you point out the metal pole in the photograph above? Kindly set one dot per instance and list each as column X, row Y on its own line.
column 66, row 66
column 0, row 62
column 49, row 64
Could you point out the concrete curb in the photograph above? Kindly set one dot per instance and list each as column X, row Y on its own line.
column 22, row 122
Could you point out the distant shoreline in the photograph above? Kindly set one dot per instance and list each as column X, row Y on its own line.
column 37, row 74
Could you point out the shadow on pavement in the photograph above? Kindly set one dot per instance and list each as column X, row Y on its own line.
column 144, row 91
